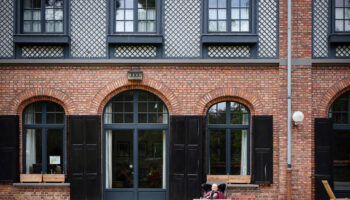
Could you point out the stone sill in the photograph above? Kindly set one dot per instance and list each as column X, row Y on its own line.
column 253, row 186
column 41, row 184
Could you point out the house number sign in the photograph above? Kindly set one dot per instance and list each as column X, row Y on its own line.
column 135, row 75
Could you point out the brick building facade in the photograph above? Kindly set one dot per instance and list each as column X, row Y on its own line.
column 190, row 68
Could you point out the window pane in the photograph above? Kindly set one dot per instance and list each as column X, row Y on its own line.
column 129, row 118
column 58, row 14
column 129, row 3
column 234, row 3
column 59, row 4
column 152, row 158
column 49, row 3
column 54, row 151
column 119, row 158
column 239, row 152
column 341, row 169
column 129, row 26
column 151, row 3
column 50, row 118
column 36, row 3
column 222, row 26
column 222, row 14
column 129, row 14
column 347, row 13
column 235, row 13
column 244, row 25
column 142, row 107
column 339, row 13
column 235, row 25
column 50, row 26
column 59, row 118
column 245, row 3
column 152, row 118
column 212, row 118
column 142, row 26
column 49, row 14
column 339, row 3
column 347, row 25
column 120, row 15
column 217, row 149
column 347, row 3
column 27, row 26
column 27, row 4
column 151, row 14
column 119, row 26
column 58, row 26
column 213, row 3
column 244, row 13
column 119, row 4
column 142, row 118
column 213, row 14
column 222, row 3
column 38, row 118
column 33, row 151
column 27, row 15
column 117, row 118
column 142, row 14
column 129, row 107
column 151, row 26
column 339, row 26
column 36, row 15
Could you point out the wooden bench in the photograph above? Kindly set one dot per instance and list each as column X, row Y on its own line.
column 330, row 192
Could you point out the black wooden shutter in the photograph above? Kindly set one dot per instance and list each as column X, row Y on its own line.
column 262, row 169
column 9, row 161
column 186, row 157
column 84, row 157
column 323, row 156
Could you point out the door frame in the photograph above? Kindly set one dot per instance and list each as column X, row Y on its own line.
column 135, row 127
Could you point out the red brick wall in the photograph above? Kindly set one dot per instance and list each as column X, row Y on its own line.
column 189, row 90
column 9, row 192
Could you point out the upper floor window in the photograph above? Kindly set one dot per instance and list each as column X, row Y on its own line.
column 43, row 138
column 229, row 15
column 342, row 16
column 43, row 16
column 135, row 16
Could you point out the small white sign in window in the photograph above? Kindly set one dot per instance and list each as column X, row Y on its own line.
column 55, row 160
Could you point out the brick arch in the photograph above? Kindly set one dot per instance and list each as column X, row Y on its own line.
column 39, row 94
column 113, row 88
column 230, row 94
column 331, row 95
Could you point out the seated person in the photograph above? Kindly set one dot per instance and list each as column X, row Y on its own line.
column 214, row 193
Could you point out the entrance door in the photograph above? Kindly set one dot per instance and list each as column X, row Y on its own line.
column 135, row 147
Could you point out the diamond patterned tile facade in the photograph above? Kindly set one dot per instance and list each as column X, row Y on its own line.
column 42, row 51
column 342, row 51
column 228, row 51
column 6, row 28
column 144, row 51
column 320, row 28
column 88, row 28
column 267, row 28
column 182, row 28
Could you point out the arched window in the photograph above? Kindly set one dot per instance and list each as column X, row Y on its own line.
column 228, row 139
column 339, row 112
column 135, row 127
column 43, row 138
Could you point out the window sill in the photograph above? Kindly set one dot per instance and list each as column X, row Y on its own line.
column 227, row 39
column 41, row 39
column 339, row 38
column 135, row 39
column 41, row 184
column 253, row 186
column 230, row 179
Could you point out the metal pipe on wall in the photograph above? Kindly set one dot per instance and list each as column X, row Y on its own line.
column 289, row 99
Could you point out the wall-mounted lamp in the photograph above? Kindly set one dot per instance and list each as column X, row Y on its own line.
column 298, row 117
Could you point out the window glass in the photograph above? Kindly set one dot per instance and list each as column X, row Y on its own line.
column 228, row 125
column 339, row 110
column 48, row 118
column 217, row 152
column 54, row 151
column 341, row 165
column 33, row 151
column 342, row 15
column 119, row 156
column 240, row 15
column 151, row 158
column 32, row 16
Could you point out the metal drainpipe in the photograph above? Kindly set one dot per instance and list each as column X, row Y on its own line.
column 289, row 99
